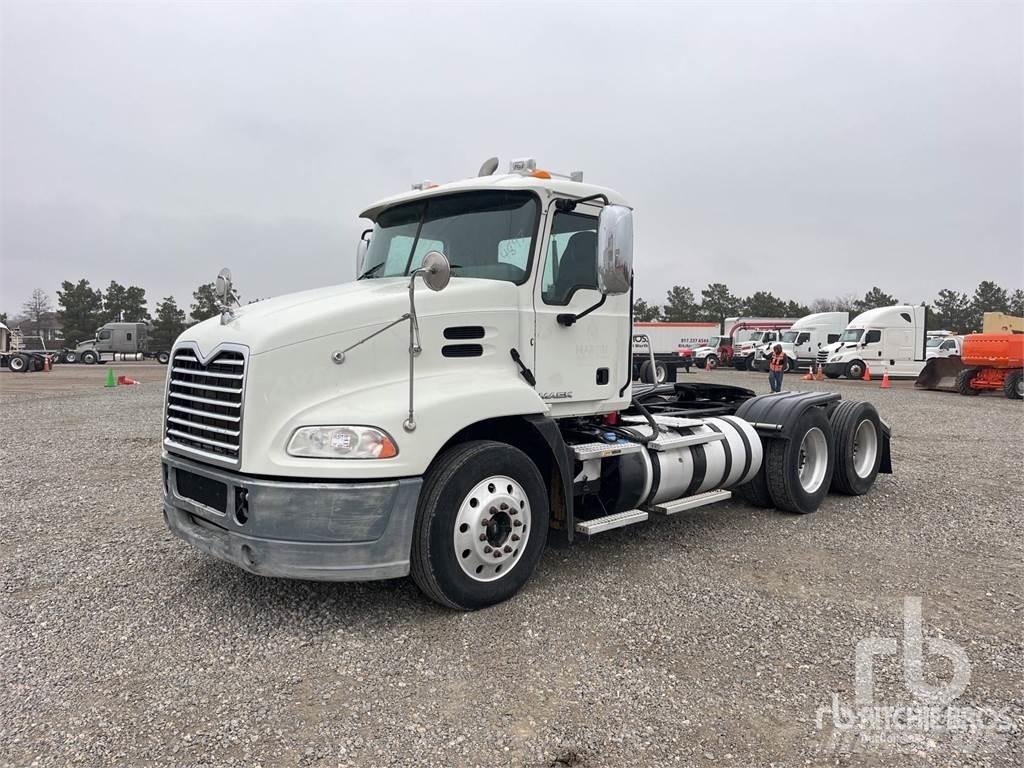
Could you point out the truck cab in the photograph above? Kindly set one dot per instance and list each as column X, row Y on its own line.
column 803, row 342
column 885, row 339
column 467, row 397
column 112, row 339
column 746, row 352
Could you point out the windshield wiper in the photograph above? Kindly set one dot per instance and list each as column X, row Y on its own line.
column 370, row 271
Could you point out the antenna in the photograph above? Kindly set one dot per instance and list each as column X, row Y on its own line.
column 489, row 167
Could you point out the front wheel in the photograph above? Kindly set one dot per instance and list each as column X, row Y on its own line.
column 480, row 526
column 89, row 357
column 855, row 369
column 1013, row 385
column 18, row 364
column 711, row 363
column 963, row 382
column 163, row 357
column 70, row 357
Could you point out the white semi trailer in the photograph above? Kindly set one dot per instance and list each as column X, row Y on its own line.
column 466, row 398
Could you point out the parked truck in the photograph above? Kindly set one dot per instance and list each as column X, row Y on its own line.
column 672, row 346
column 129, row 340
column 21, row 354
column 745, row 353
column 467, row 398
column 805, row 339
column 885, row 339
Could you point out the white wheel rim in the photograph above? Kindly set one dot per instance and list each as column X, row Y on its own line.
column 1020, row 387
column 865, row 448
column 812, row 460
column 492, row 528
column 660, row 374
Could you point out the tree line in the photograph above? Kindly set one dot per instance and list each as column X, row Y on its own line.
column 81, row 309
column 950, row 310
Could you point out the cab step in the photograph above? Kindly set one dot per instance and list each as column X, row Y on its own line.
column 610, row 522
column 671, row 441
column 690, row 502
column 586, row 451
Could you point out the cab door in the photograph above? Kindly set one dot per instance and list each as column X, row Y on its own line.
column 580, row 368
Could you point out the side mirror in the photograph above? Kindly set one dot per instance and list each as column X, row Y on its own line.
column 361, row 251
column 223, row 286
column 615, row 250
column 436, row 270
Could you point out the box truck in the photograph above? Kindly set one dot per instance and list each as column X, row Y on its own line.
column 671, row 345
column 468, row 398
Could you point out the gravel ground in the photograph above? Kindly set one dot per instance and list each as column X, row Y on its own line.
column 710, row 638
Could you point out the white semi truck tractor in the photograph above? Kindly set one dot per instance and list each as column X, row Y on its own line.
column 468, row 398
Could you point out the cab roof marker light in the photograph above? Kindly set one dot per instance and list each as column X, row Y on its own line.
column 527, row 166
column 425, row 184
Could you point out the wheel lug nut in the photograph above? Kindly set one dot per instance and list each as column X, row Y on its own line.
column 497, row 553
column 487, row 549
column 517, row 523
column 504, row 506
column 483, row 537
column 486, row 521
column 515, row 537
column 507, row 549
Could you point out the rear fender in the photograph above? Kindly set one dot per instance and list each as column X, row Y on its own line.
column 774, row 415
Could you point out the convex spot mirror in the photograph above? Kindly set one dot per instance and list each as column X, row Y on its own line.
column 615, row 250
column 223, row 285
column 436, row 270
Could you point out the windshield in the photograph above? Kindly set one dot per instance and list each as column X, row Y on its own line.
column 790, row 336
column 715, row 341
column 935, row 342
column 483, row 234
column 852, row 334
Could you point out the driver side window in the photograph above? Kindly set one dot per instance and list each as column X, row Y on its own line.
column 873, row 337
column 571, row 262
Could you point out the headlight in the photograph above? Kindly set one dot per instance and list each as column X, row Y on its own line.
column 342, row 443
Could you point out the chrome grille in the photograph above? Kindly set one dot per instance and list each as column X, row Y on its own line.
column 822, row 356
column 204, row 404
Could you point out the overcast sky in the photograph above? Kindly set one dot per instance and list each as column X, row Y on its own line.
column 806, row 149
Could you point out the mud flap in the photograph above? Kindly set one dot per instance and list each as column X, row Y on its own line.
column 885, row 464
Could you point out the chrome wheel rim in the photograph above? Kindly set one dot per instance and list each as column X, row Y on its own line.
column 865, row 448
column 813, row 460
column 492, row 528
column 660, row 373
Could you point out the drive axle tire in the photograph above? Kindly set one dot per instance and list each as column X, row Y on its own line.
column 18, row 364
column 70, row 357
column 740, row 364
column 799, row 470
column 481, row 524
column 857, row 438
column 163, row 357
column 659, row 376
column 755, row 490
column 89, row 357
column 1013, row 385
column 963, row 382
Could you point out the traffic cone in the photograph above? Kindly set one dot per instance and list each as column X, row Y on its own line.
column 885, row 379
column 46, row 364
column 808, row 376
column 867, row 372
column 820, row 375
column 110, row 378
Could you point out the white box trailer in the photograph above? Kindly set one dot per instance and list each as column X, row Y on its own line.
column 672, row 345
column 446, row 419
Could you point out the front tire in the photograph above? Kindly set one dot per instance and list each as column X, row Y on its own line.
column 18, row 364
column 857, row 434
column 89, row 357
column 711, row 363
column 481, row 524
column 70, row 357
column 855, row 370
column 163, row 357
column 799, row 470
column 963, row 382
column 1013, row 385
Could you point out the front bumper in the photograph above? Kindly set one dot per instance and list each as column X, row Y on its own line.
column 298, row 530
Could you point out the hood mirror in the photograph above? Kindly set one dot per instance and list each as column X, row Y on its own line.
column 223, row 286
column 436, row 271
